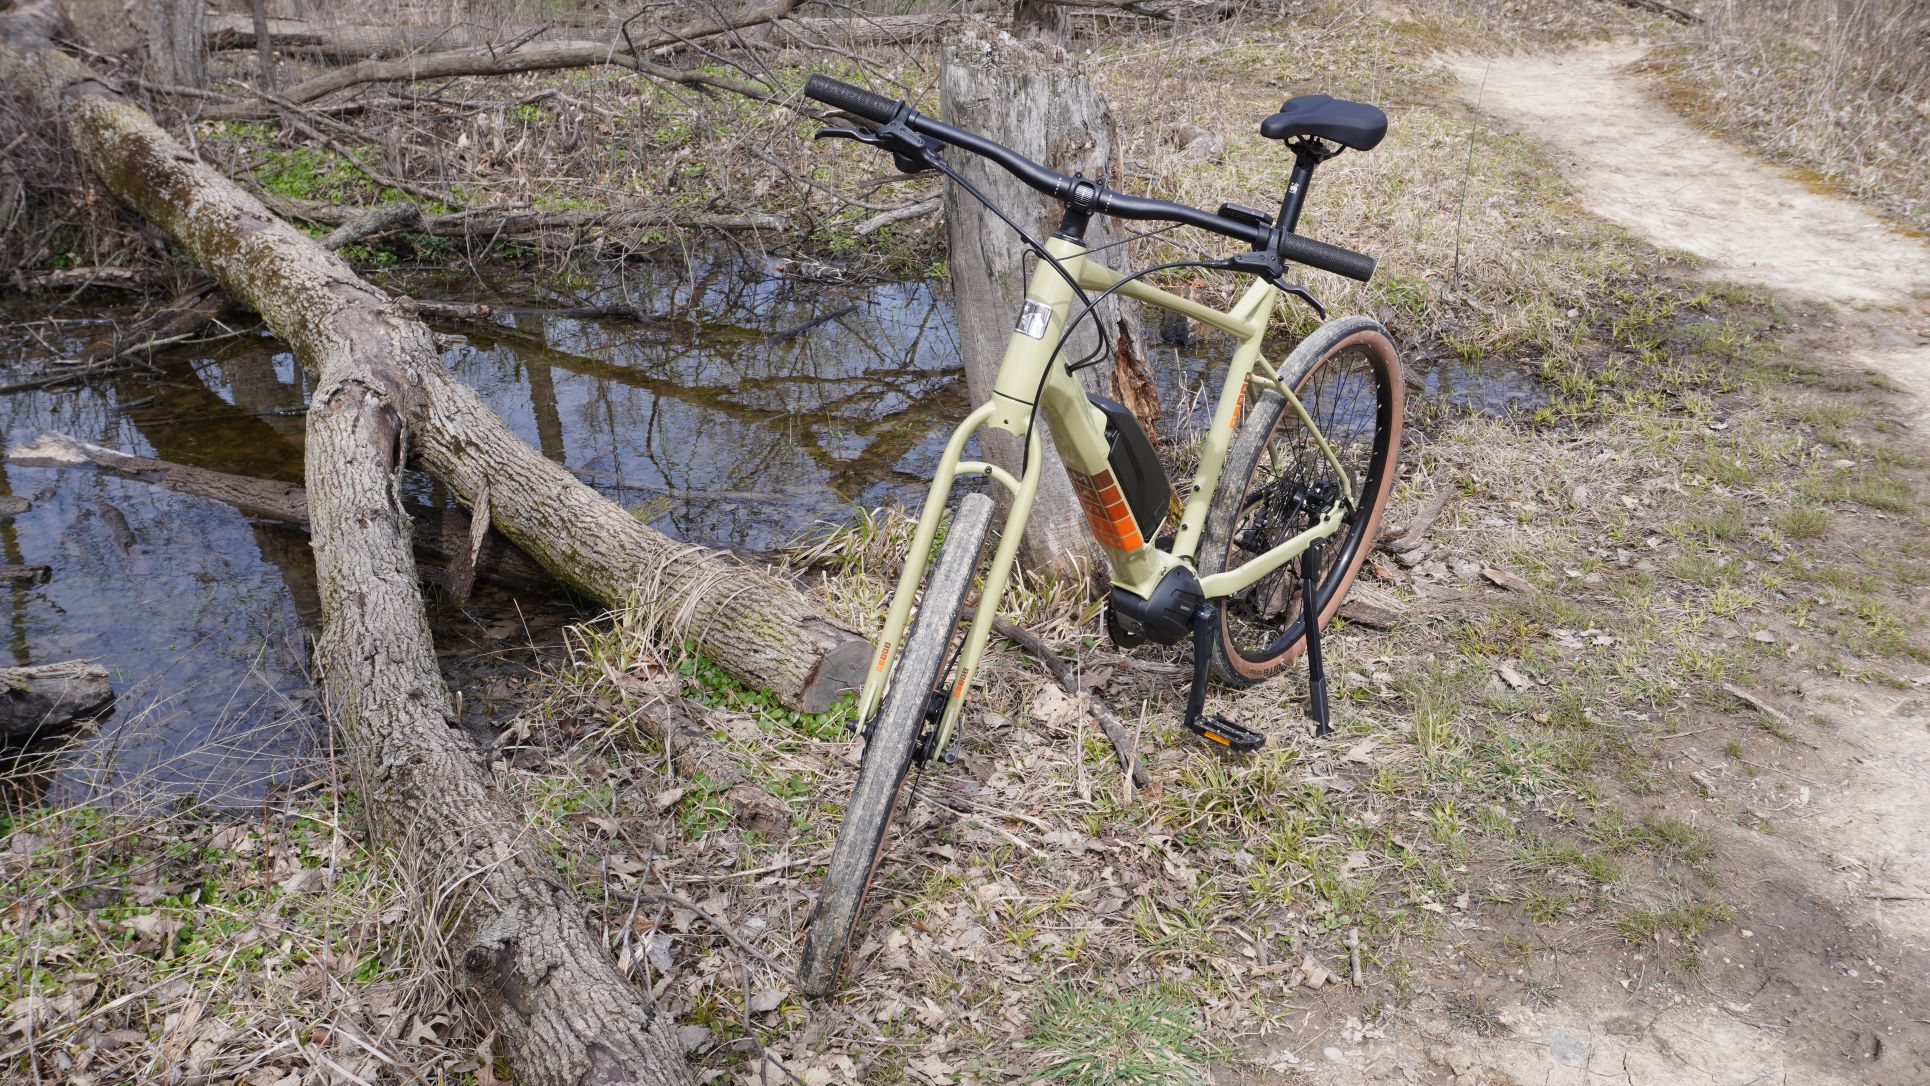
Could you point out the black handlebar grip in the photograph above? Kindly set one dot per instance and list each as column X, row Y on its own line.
column 1330, row 258
column 853, row 100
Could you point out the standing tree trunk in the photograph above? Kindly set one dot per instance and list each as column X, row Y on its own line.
column 264, row 45
column 175, row 42
column 1032, row 97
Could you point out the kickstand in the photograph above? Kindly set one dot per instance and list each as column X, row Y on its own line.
column 1310, row 617
column 1213, row 729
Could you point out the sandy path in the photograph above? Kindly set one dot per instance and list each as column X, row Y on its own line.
column 1839, row 895
column 1654, row 173
column 1651, row 171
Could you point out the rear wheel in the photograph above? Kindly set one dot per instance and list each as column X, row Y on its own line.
column 893, row 735
column 1277, row 482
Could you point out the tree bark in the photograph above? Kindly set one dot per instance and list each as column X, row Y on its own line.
column 1029, row 95
column 38, row 699
column 175, row 43
column 567, row 1013
column 754, row 625
column 442, row 538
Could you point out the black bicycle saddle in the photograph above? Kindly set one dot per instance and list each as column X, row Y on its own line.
column 1350, row 124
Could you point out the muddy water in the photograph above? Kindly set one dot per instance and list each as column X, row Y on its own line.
column 737, row 415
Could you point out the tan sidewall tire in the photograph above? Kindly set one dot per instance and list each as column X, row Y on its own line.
column 1228, row 666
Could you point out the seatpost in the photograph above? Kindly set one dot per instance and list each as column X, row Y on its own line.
column 1307, row 154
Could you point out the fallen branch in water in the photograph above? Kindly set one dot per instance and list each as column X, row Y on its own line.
column 442, row 537
column 46, row 697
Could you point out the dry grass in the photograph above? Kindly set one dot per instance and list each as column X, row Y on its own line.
column 1837, row 88
column 1031, row 918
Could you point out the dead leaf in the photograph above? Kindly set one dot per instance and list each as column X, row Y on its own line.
column 1361, row 752
column 767, row 1000
column 1513, row 678
column 1052, row 707
column 669, row 797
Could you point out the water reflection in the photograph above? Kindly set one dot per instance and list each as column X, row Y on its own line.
column 718, row 425
column 752, row 405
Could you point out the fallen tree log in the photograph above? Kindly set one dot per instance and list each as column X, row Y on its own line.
column 48, row 696
column 546, row 56
column 350, row 42
column 567, row 1013
column 347, row 43
column 528, row 221
column 443, row 538
column 754, row 625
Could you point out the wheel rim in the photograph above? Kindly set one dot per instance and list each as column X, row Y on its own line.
column 1346, row 395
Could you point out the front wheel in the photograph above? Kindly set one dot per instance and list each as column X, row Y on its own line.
column 1348, row 377
column 892, row 736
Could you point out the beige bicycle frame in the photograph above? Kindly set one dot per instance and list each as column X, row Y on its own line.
column 1032, row 367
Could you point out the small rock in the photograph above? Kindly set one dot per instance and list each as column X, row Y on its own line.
column 1334, row 1055
column 1842, row 465
column 1465, row 570
column 12, row 505
column 1199, row 145
column 1566, row 1048
column 1763, row 636
column 1594, row 580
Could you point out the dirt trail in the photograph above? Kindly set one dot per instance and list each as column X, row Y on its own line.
column 1821, row 977
column 1649, row 170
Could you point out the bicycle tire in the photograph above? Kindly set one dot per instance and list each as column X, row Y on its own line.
column 1359, row 352
column 888, row 753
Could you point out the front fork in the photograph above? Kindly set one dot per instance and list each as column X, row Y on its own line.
column 1024, row 489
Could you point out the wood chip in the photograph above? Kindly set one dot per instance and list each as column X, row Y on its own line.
column 1371, row 608
column 1513, row 678
column 1507, row 580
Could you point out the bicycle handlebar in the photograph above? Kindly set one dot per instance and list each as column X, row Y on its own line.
column 878, row 109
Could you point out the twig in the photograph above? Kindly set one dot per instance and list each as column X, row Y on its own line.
column 722, row 928
column 1115, row 729
column 1408, row 536
column 916, row 210
column 784, row 865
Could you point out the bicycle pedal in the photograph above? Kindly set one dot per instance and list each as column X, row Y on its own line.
column 1223, row 732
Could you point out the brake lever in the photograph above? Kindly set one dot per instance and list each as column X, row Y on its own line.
column 1303, row 294
column 862, row 135
column 910, row 152
column 1267, row 266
